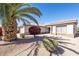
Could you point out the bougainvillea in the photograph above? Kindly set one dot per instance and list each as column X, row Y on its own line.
column 0, row 31
column 33, row 30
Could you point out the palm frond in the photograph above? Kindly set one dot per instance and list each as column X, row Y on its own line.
column 5, row 13
column 25, row 21
column 47, row 47
column 22, row 19
column 46, row 44
column 17, row 6
column 54, row 42
column 31, row 10
column 23, row 5
column 30, row 17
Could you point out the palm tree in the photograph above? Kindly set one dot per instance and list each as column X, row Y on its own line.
column 11, row 13
column 55, row 45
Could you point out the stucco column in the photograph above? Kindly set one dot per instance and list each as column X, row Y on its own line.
column 70, row 30
column 53, row 29
column 50, row 29
column 22, row 30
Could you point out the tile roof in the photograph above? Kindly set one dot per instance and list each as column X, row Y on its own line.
column 70, row 21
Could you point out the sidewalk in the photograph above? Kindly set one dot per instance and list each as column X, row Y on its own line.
column 5, row 43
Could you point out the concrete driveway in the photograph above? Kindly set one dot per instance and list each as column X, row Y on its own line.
column 22, row 47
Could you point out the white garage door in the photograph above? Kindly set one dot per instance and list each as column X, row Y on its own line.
column 64, row 31
column 58, row 31
column 61, row 30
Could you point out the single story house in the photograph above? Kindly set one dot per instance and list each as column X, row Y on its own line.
column 67, row 28
column 25, row 29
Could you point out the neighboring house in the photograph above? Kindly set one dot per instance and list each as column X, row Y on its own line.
column 67, row 28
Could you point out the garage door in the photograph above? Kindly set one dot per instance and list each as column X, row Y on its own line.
column 61, row 30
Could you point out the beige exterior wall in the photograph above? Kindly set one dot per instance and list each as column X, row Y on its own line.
column 22, row 29
column 75, row 28
column 53, row 28
column 44, row 30
column 25, row 29
column 70, row 29
column 67, row 30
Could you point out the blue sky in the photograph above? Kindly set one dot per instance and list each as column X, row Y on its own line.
column 52, row 12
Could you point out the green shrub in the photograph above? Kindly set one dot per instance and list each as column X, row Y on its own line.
column 50, row 44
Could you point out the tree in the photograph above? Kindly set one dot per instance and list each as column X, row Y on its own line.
column 50, row 45
column 34, row 30
column 54, row 45
column 11, row 13
column 0, row 31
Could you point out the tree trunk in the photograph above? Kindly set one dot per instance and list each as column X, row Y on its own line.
column 34, row 36
column 5, row 33
column 10, row 31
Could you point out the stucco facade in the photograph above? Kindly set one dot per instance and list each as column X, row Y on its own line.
column 25, row 30
column 67, row 28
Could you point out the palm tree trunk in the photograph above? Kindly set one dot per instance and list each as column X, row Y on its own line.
column 10, row 31
column 14, row 29
column 5, row 36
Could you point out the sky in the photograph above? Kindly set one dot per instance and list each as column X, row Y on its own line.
column 52, row 12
